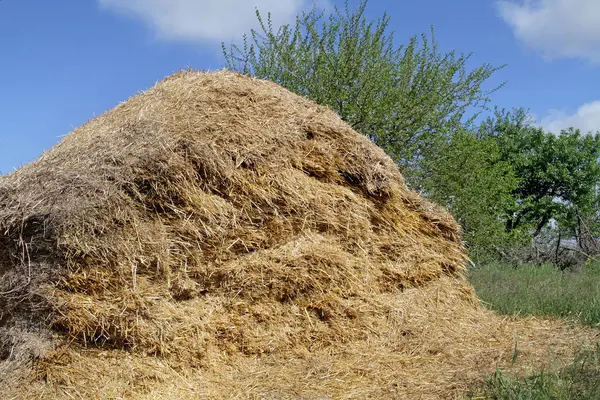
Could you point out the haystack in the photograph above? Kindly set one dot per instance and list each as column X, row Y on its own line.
column 218, row 236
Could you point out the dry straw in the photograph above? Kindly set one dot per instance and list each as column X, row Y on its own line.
column 220, row 237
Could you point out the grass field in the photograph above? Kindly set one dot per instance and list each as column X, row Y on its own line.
column 579, row 380
column 544, row 291
column 540, row 291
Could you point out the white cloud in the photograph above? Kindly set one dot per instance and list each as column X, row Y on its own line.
column 586, row 118
column 199, row 20
column 556, row 28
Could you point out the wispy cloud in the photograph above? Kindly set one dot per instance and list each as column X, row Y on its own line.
column 586, row 118
column 556, row 28
column 204, row 20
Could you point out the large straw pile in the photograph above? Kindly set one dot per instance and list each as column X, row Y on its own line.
column 218, row 236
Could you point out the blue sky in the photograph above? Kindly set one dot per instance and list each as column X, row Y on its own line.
column 63, row 62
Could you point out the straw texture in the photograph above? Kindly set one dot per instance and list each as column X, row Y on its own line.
column 220, row 237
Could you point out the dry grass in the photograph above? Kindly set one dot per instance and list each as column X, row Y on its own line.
column 220, row 237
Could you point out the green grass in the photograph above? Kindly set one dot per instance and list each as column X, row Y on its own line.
column 544, row 291
column 579, row 380
column 540, row 291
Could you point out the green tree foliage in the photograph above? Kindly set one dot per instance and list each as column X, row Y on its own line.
column 558, row 173
column 407, row 99
column 470, row 178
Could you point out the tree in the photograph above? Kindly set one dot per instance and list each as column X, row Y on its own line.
column 408, row 99
column 558, row 173
column 476, row 185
